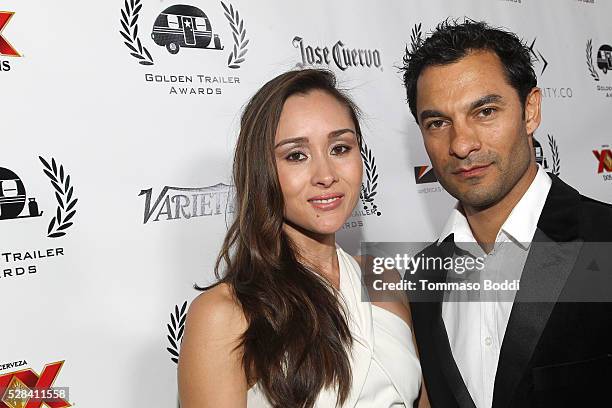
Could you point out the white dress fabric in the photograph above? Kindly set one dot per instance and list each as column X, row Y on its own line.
column 385, row 369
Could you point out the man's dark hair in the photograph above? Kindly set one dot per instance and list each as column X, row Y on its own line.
column 451, row 41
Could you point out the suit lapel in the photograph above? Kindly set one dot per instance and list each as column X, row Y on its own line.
column 447, row 362
column 439, row 335
column 546, row 270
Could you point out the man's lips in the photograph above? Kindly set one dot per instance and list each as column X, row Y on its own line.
column 472, row 171
column 326, row 202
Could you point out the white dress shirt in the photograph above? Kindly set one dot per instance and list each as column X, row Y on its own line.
column 476, row 329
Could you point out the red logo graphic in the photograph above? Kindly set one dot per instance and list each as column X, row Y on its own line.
column 32, row 380
column 605, row 160
column 6, row 48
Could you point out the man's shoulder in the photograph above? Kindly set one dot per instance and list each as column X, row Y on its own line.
column 568, row 214
column 595, row 206
column 596, row 219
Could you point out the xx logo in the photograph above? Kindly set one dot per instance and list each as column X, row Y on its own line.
column 605, row 160
column 6, row 49
column 30, row 379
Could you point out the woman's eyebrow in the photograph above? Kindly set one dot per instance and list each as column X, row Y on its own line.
column 340, row 132
column 291, row 140
column 297, row 140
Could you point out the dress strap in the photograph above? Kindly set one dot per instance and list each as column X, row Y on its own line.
column 359, row 313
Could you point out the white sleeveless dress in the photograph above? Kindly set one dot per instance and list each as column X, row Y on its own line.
column 386, row 371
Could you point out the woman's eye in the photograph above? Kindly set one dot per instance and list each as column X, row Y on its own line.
column 296, row 156
column 340, row 149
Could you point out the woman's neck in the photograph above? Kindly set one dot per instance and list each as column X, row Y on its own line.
column 317, row 251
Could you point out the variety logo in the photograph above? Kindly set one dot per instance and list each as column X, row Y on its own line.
column 188, row 28
column 342, row 56
column 604, row 64
column 6, row 49
column 555, row 164
column 175, row 203
column 27, row 389
column 13, row 197
column 604, row 162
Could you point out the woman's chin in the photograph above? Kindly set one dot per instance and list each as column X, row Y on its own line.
column 328, row 227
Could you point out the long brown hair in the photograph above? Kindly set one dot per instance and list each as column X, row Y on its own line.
column 298, row 340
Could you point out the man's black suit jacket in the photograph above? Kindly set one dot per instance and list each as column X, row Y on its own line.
column 554, row 353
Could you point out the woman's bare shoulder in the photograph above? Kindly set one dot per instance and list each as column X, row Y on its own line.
column 217, row 311
column 210, row 372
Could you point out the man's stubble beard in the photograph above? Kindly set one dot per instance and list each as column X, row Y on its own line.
column 509, row 173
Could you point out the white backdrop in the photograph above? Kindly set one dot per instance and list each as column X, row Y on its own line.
column 101, row 279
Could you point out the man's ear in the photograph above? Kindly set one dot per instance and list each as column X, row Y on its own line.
column 533, row 113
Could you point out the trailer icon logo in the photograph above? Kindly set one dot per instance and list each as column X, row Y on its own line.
column 604, row 58
column 13, row 197
column 184, row 26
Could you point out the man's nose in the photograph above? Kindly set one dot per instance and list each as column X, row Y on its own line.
column 463, row 140
column 324, row 172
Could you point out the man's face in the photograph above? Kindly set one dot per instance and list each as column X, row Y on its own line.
column 473, row 128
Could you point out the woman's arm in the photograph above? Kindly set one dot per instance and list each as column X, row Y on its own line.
column 210, row 372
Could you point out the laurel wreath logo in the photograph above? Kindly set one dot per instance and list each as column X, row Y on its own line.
column 416, row 37
column 589, row 58
column 368, row 189
column 129, row 22
column 552, row 143
column 176, row 328
column 236, row 56
column 64, row 196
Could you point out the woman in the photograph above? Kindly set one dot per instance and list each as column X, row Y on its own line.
column 285, row 326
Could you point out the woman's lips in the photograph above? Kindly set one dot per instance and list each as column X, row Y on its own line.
column 326, row 202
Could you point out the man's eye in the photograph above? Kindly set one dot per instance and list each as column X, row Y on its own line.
column 435, row 124
column 296, row 156
column 487, row 112
column 340, row 149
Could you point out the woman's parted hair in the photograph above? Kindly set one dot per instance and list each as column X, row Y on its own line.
column 298, row 338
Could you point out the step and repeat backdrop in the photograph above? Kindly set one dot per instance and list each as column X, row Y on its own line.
column 117, row 125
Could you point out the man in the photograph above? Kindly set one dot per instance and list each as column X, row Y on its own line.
column 472, row 91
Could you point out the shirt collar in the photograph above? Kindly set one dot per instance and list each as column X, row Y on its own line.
column 521, row 224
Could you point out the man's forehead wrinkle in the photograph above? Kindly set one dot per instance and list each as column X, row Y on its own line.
column 457, row 86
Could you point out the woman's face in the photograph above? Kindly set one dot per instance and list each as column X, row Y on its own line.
column 318, row 161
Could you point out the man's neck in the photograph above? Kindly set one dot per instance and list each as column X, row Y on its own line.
column 486, row 223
